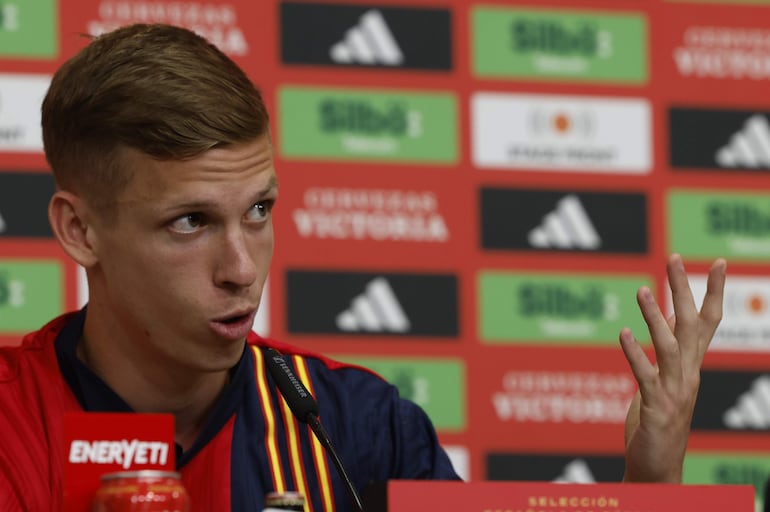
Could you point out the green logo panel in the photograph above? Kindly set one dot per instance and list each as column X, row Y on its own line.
column 28, row 29
column 707, row 225
column 728, row 469
column 558, row 308
column 368, row 125
column 577, row 45
column 30, row 294
column 438, row 386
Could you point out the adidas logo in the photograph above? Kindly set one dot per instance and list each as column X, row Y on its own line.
column 375, row 310
column 576, row 472
column 370, row 42
column 567, row 227
column 750, row 147
column 752, row 411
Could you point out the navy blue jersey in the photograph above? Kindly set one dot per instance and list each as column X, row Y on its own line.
column 252, row 444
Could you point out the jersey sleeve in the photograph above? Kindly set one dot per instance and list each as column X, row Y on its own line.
column 395, row 437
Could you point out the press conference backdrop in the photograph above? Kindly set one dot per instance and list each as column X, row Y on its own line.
column 471, row 193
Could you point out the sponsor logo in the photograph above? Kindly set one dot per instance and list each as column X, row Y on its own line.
column 375, row 310
column 436, row 385
column 730, row 400
column 350, row 35
column 565, row 133
column 371, row 215
column 731, row 53
column 28, row 30
column 24, row 204
column 719, row 139
column 555, row 220
column 577, row 45
column 554, row 468
column 563, row 397
column 745, row 321
column 728, row 468
column 372, row 304
column 217, row 22
column 336, row 123
column 711, row 224
column 30, row 294
column 20, row 99
column 558, row 308
column 124, row 452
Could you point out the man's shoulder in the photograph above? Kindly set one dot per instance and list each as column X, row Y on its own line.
column 36, row 350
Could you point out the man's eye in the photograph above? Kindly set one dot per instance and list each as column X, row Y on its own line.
column 188, row 223
column 260, row 211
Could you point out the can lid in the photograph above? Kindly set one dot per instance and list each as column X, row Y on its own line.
column 285, row 499
column 143, row 473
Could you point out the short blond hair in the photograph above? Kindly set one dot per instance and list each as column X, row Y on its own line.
column 159, row 89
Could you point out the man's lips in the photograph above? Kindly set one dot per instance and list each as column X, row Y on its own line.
column 234, row 326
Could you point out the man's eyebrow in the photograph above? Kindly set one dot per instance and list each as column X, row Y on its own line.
column 271, row 186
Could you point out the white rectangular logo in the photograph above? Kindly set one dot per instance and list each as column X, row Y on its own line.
column 563, row 133
column 745, row 324
column 20, row 100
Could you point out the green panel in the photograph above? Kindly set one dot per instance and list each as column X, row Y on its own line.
column 438, row 386
column 728, row 469
column 30, row 294
column 368, row 125
column 578, row 45
column 707, row 225
column 28, row 29
column 559, row 308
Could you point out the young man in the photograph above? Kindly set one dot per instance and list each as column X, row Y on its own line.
column 162, row 156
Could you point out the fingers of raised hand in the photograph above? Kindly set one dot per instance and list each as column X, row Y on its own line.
column 694, row 329
column 663, row 340
column 644, row 372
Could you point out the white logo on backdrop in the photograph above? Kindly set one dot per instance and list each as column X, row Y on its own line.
column 750, row 147
column 752, row 410
column 375, row 310
column 576, row 472
column 369, row 42
column 567, row 227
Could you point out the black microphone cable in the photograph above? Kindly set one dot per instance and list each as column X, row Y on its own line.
column 305, row 408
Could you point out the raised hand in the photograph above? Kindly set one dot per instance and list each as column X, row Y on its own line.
column 658, row 420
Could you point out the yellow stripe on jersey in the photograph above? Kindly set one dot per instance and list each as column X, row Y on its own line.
column 293, row 441
column 319, row 455
column 271, row 441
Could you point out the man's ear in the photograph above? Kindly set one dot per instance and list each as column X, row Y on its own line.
column 69, row 218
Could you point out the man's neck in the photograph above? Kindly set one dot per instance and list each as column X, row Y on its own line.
column 155, row 386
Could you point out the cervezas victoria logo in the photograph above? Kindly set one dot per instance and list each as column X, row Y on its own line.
column 365, row 35
column 217, row 22
column 723, row 52
column 362, row 303
column 385, row 215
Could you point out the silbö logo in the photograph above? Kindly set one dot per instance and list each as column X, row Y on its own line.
column 366, row 128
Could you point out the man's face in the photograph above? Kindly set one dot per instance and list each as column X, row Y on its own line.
column 180, row 273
